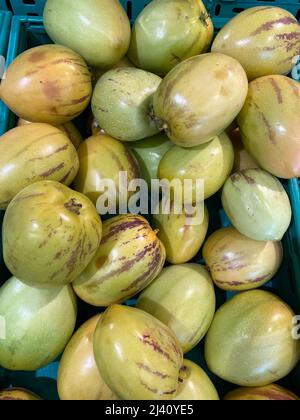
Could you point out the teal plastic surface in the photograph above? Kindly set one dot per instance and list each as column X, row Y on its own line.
column 36, row 7
column 230, row 8
column 27, row 32
column 5, row 20
column 3, row 5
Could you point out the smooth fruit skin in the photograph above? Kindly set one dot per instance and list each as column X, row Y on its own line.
column 238, row 263
column 264, row 40
column 149, row 152
column 39, row 323
column 31, row 153
column 138, row 357
column 194, row 384
column 169, row 31
column 49, row 84
column 250, row 342
column 98, row 30
column 242, row 159
column 266, row 393
column 130, row 256
column 50, row 234
column 122, row 102
column 68, row 128
column 18, row 394
column 103, row 157
column 78, row 375
column 183, row 298
column 269, row 124
column 181, row 234
column 212, row 162
column 200, row 98
column 98, row 72
column 257, row 205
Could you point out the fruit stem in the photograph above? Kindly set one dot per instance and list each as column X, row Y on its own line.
column 73, row 206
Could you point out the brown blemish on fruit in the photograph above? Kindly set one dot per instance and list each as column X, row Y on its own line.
column 220, row 74
column 58, row 255
column 74, row 207
column 147, row 275
column 51, row 89
column 64, row 178
column 169, row 392
column 277, row 90
column 80, row 100
column 130, row 223
column 271, row 135
column 125, row 267
column 288, row 36
column 153, row 390
column 153, row 372
column 269, row 128
column 268, row 26
column 248, row 178
column 238, row 175
column 37, row 56
column 52, row 170
column 147, row 340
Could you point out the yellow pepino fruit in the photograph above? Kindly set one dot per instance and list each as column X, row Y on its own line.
column 49, row 84
column 238, row 263
column 38, row 324
column 265, row 40
column 169, row 31
column 211, row 162
column 257, row 205
column 250, row 342
column 18, row 394
column 31, row 153
column 183, row 298
column 194, row 384
column 138, row 357
column 102, row 157
column 149, row 152
column 242, row 159
column 50, row 234
column 200, row 98
column 182, row 234
column 122, row 103
column 68, row 128
column 98, row 30
column 78, row 375
column 265, row 393
column 269, row 124
column 130, row 257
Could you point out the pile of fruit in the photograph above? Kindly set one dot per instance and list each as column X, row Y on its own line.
column 168, row 101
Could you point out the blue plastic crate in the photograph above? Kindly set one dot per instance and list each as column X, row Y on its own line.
column 3, row 5
column 230, row 8
column 5, row 20
column 27, row 32
column 36, row 7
